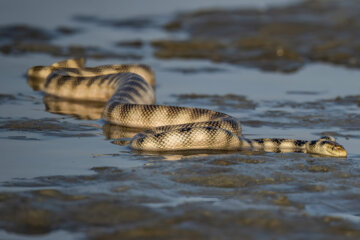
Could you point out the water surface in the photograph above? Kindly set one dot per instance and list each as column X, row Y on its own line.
column 61, row 177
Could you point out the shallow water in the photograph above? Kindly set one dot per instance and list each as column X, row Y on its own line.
column 61, row 177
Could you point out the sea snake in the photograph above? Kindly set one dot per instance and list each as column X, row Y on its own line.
column 128, row 91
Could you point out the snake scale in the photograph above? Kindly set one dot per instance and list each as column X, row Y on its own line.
column 128, row 91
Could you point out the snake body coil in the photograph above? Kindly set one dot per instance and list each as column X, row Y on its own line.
column 128, row 91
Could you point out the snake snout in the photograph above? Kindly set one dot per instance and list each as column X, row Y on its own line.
column 335, row 149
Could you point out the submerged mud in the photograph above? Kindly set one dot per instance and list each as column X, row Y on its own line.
column 22, row 32
column 6, row 97
column 214, row 200
column 24, row 39
column 133, row 23
column 275, row 39
column 64, row 51
column 228, row 100
column 48, row 126
column 338, row 112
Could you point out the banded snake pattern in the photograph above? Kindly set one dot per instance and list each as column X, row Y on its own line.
column 128, row 91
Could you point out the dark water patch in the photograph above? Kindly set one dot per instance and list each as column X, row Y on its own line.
column 324, row 119
column 109, row 213
column 316, row 105
column 22, row 33
column 248, row 160
column 312, row 168
column 351, row 100
column 221, row 180
column 336, row 134
column 102, row 174
column 228, row 100
column 76, row 51
column 4, row 98
column 20, row 48
column 188, row 49
column 303, row 92
column 66, row 30
column 48, row 126
column 33, row 125
column 196, row 70
column 134, row 23
column 52, row 181
column 24, row 138
column 130, row 44
column 224, row 180
column 19, row 33
column 275, row 39
column 197, row 169
column 346, row 100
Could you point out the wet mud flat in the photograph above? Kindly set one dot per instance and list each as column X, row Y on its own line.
column 194, row 195
column 249, row 194
column 198, row 198
column 276, row 39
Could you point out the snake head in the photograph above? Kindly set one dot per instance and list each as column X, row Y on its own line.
column 332, row 148
column 326, row 146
